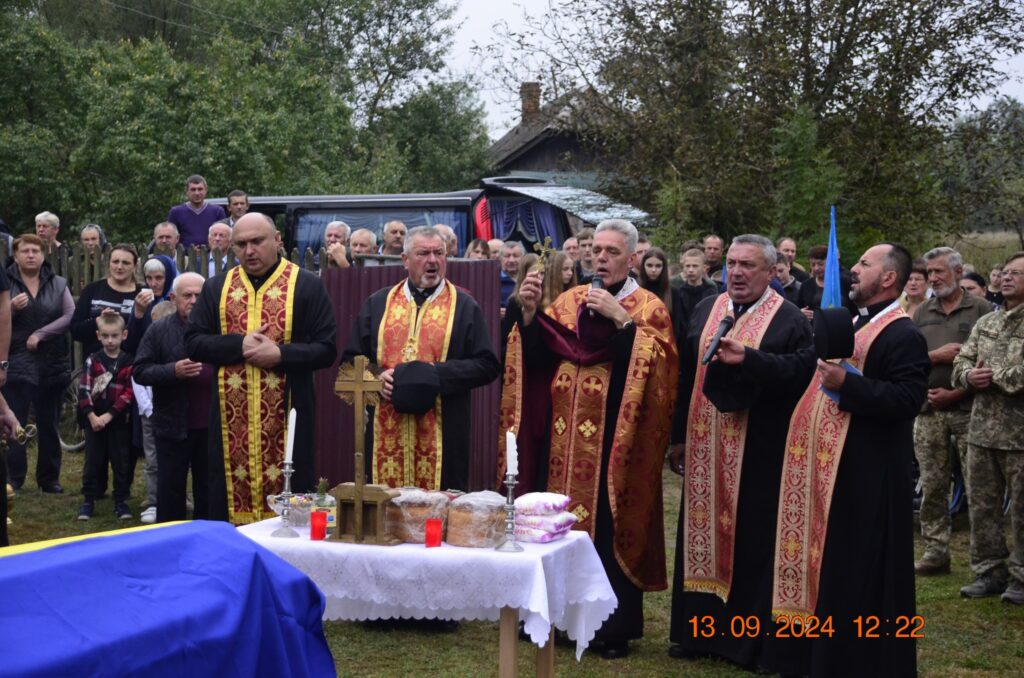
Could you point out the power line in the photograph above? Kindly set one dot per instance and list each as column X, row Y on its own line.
column 160, row 19
column 231, row 19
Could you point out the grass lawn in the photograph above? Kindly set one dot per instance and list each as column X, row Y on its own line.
column 963, row 638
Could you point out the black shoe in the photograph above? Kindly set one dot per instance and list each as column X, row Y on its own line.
column 52, row 488
column 615, row 650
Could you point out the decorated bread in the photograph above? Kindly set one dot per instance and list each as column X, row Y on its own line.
column 476, row 520
column 406, row 515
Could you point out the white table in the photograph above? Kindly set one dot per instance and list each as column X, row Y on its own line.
column 559, row 585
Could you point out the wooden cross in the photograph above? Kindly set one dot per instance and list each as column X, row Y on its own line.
column 358, row 386
column 544, row 250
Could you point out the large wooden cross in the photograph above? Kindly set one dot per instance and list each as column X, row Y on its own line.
column 357, row 386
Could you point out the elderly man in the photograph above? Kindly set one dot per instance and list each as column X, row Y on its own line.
column 363, row 241
column 219, row 242
column 602, row 364
column 432, row 343
column 494, row 244
column 945, row 320
column 451, row 240
column 47, row 228
column 165, row 239
column 335, row 242
column 728, row 435
column 991, row 363
column 194, row 217
column 393, row 238
column 266, row 325
column 181, row 405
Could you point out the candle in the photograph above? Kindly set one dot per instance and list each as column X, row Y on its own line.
column 291, row 437
column 511, row 456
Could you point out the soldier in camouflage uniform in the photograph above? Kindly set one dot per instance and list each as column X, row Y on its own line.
column 945, row 320
column 991, row 362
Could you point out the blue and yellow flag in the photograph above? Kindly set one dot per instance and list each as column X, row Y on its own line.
column 831, row 297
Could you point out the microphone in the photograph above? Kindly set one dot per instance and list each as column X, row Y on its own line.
column 723, row 329
column 596, row 284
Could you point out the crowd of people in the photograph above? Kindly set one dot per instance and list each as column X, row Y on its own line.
column 794, row 427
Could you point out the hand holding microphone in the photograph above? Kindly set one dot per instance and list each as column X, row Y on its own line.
column 723, row 329
column 596, row 284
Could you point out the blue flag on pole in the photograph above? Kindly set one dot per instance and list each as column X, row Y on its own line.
column 831, row 297
column 725, row 279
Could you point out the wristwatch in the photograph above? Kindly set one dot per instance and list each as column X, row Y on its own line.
column 626, row 325
column 4, row 364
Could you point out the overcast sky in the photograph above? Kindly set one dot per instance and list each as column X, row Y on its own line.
column 478, row 17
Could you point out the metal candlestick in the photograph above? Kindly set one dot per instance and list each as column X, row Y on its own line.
column 510, row 545
column 286, row 513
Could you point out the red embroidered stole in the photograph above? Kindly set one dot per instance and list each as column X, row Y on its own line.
column 814, row 446
column 406, row 447
column 252, row 400
column 714, row 459
column 579, row 400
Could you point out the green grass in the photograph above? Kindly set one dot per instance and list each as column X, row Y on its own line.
column 962, row 637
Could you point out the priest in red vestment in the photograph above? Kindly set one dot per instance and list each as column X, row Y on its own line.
column 605, row 360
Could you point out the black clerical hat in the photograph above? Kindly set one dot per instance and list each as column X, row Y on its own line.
column 833, row 333
column 416, row 387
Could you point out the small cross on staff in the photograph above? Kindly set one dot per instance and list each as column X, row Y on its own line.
column 544, row 250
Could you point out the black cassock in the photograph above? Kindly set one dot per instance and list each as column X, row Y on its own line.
column 312, row 347
column 769, row 398
column 868, row 563
column 470, row 362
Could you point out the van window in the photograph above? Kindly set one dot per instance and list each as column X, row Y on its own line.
column 310, row 224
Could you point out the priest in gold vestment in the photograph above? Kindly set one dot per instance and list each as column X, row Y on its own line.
column 606, row 360
column 267, row 325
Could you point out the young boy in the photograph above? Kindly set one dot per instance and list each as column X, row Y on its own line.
column 695, row 285
column 104, row 404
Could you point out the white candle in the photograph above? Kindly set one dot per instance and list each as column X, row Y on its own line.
column 290, row 446
column 511, row 455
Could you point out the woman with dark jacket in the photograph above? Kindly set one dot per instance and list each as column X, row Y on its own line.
column 41, row 309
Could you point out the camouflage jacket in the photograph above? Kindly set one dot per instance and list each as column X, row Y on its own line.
column 997, row 417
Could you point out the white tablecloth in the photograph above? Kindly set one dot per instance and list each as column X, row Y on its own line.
column 562, row 583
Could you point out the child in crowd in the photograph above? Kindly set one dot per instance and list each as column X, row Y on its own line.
column 104, row 404
column 696, row 285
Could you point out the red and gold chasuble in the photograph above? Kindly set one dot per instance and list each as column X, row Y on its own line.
column 579, row 395
column 814, row 446
column 407, row 447
column 252, row 400
column 714, row 459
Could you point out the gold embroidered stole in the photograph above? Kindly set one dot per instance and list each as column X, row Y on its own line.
column 814, row 446
column 252, row 400
column 407, row 447
column 579, row 403
column 714, row 460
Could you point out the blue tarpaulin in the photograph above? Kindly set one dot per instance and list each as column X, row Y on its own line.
column 191, row 599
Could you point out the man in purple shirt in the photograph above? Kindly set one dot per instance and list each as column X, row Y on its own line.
column 194, row 218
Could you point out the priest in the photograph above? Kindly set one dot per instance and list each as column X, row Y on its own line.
column 267, row 325
column 604, row 360
column 844, row 540
column 431, row 343
column 728, row 443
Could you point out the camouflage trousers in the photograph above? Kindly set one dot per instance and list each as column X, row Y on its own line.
column 932, row 432
column 993, row 473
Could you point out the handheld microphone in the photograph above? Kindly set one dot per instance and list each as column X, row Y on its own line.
column 723, row 329
column 596, row 284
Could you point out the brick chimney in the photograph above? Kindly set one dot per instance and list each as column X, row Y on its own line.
column 529, row 94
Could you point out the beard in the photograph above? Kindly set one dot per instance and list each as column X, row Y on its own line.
column 863, row 292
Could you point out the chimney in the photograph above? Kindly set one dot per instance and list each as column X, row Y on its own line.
column 529, row 94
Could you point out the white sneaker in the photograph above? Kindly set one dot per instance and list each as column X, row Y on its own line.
column 149, row 515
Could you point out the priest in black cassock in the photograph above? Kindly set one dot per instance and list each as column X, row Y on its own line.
column 728, row 437
column 430, row 340
column 844, row 531
column 268, row 325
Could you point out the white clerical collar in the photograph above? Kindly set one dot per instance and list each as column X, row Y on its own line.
column 628, row 288
column 767, row 291
column 894, row 304
column 407, row 290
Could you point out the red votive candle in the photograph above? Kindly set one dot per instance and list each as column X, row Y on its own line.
column 433, row 530
column 317, row 525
